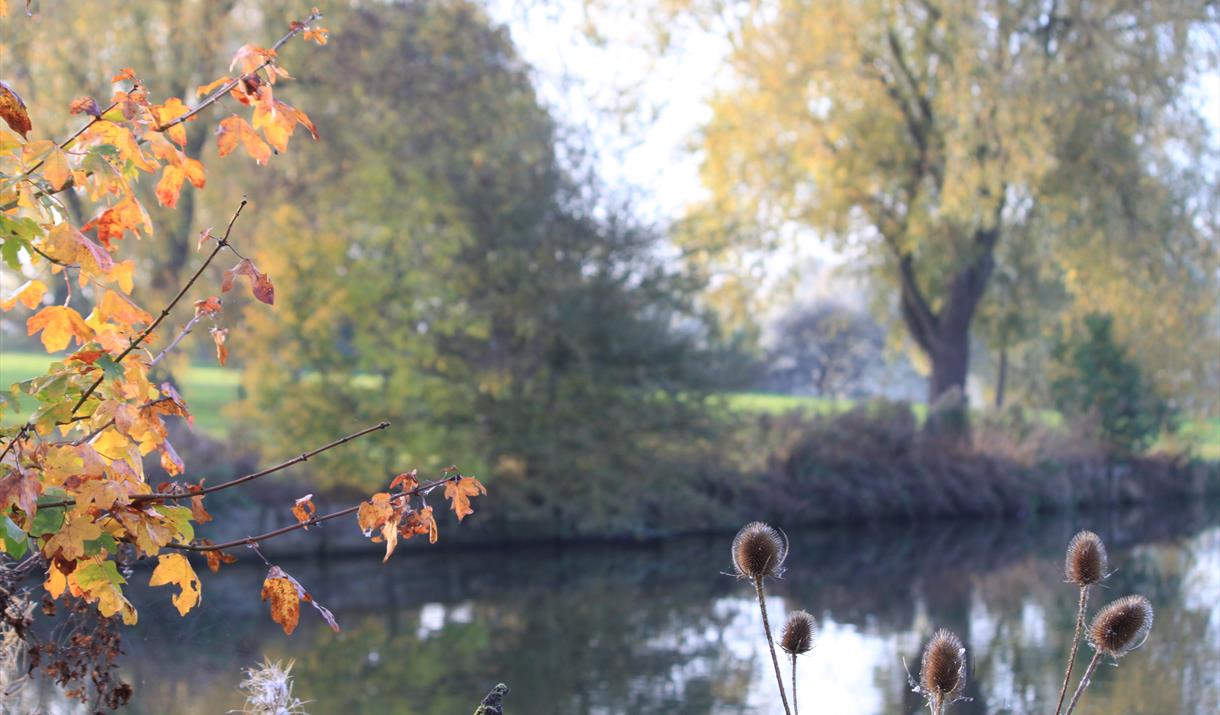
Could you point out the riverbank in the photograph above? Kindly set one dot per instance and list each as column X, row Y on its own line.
column 865, row 465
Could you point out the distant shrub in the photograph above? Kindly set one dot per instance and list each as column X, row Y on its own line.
column 1099, row 382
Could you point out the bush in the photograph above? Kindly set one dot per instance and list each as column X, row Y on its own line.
column 1100, row 383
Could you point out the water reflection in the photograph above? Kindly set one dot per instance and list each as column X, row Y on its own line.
column 657, row 629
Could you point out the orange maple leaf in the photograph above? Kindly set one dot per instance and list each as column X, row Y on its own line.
column 460, row 490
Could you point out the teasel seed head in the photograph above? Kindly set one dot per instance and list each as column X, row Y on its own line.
column 759, row 551
column 1085, row 564
column 1122, row 626
column 799, row 633
column 942, row 673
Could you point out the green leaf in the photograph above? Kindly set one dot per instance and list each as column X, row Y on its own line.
column 15, row 540
column 92, row 573
column 111, row 370
column 181, row 516
column 47, row 521
column 105, row 543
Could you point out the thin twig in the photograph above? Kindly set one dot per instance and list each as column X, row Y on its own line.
column 420, row 490
column 762, row 606
column 297, row 27
column 90, row 436
column 1067, row 675
column 186, row 330
column 157, row 496
column 220, row 245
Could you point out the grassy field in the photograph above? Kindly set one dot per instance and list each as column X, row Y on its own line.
column 208, row 389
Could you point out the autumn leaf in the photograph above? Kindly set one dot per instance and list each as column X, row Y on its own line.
column 59, row 325
column 20, row 488
column 85, row 105
column 55, row 168
column 219, row 336
column 419, row 522
column 406, row 481
column 175, row 569
column 29, row 294
column 260, row 283
column 208, row 306
column 114, row 307
column 216, row 558
column 389, row 532
column 235, row 131
column 170, row 461
column 125, row 216
column 124, row 74
column 285, row 603
column 207, row 88
column 303, row 509
column 250, row 57
column 198, row 512
column 168, row 112
column 12, row 110
column 317, row 35
column 460, row 490
column 374, row 512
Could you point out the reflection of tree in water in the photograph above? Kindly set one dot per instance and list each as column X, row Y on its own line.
column 643, row 629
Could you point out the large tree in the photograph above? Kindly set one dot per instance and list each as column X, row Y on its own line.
column 927, row 134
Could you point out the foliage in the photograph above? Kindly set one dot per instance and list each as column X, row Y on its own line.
column 827, row 348
column 74, row 497
column 493, row 297
column 943, row 143
column 1098, row 379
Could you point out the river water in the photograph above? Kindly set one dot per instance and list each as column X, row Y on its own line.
column 659, row 629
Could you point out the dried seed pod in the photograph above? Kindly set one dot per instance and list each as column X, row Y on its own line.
column 942, row 673
column 759, row 550
column 1085, row 564
column 1122, row 626
column 799, row 633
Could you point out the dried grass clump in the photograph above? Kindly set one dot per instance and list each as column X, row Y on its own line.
column 268, row 689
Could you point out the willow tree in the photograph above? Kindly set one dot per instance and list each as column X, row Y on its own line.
column 927, row 134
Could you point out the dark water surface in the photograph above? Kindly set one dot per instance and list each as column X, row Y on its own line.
column 657, row 629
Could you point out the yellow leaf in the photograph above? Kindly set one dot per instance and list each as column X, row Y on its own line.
column 55, row 170
column 174, row 568
column 285, row 601
column 59, row 324
column 29, row 294
column 56, row 581
column 122, row 274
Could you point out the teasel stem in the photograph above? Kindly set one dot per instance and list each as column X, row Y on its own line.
column 1067, row 675
column 1084, row 681
column 796, row 709
column 779, row 678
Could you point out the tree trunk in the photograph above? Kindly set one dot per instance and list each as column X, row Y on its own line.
column 1001, row 380
column 944, row 335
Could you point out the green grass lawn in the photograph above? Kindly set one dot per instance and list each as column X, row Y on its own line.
column 206, row 389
